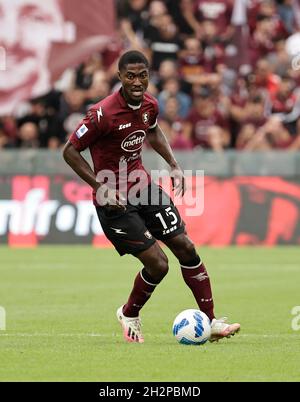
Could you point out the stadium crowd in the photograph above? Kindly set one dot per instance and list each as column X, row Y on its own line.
column 226, row 75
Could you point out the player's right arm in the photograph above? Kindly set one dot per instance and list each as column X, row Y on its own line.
column 79, row 165
column 86, row 134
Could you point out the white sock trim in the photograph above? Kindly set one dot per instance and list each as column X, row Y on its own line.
column 196, row 266
column 152, row 284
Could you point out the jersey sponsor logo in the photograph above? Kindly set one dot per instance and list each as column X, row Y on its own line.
column 81, row 131
column 127, row 159
column 99, row 113
column 134, row 141
column 122, row 126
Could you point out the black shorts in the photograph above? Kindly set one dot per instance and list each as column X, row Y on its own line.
column 139, row 226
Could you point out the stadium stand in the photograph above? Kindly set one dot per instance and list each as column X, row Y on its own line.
column 222, row 71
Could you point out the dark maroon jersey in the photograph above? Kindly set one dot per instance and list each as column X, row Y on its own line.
column 115, row 132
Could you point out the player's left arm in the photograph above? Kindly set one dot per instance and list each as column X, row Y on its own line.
column 160, row 144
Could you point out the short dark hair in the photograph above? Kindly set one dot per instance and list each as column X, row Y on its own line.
column 132, row 57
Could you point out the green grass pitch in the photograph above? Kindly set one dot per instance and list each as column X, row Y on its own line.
column 60, row 307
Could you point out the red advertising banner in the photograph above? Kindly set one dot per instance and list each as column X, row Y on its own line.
column 40, row 39
column 248, row 210
column 239, row 210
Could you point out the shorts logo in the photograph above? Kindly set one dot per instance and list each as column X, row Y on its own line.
column 118, row 231
column 148, row 234
column 145, row 117
column 134, row 141
column 81, row 131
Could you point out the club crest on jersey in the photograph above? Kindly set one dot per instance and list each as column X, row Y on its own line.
column 145, row 117
column 134, row 141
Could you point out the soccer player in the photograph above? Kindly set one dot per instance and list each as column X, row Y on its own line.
column 134, row 212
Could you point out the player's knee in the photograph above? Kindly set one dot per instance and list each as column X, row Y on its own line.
column 190, row 250
column 158, row 268
column 186, row 250
column 163, row 265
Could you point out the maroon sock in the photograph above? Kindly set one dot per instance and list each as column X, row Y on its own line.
column 140, row 294
column 197, row 279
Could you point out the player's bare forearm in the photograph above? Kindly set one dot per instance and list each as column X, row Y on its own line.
column 79, row 165
column 160, row 144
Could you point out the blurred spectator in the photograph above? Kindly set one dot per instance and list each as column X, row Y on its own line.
column 4, row 139
column 72, row 102
column 163, row 41
column 262, row 41
column 218, row 85
column 169, row 69
column 214, row 47
column 269, row 9
column 133, row 16
column 284, row 99
column 173, row 125
column 99, row 88
column 191, row 60
column 196, row 67
column 181, row 11
column 287, row 15
column 72, row 109
column 250, row 139
column 279, row 58
column 156, row 10
column 205, row 124
column 272, row 135
column 28, row 136
column 217, row 11
column 171, row 87
column 8, row 125
column 48, row 123
column 264, row 77
column 253, row 112
column 86, row 70
column 286, row 104
column 54, row 143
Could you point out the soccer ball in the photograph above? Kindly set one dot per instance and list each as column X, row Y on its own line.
column 192, row 327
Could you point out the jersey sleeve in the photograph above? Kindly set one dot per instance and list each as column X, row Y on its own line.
column 90, row 129
column 154, row 116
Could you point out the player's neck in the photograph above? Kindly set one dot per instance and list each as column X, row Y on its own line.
column 131, row 103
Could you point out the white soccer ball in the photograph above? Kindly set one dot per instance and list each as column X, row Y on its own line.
column 192, row 327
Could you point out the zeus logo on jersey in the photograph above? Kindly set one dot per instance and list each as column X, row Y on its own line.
column 122, row 126
column 81, row 131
